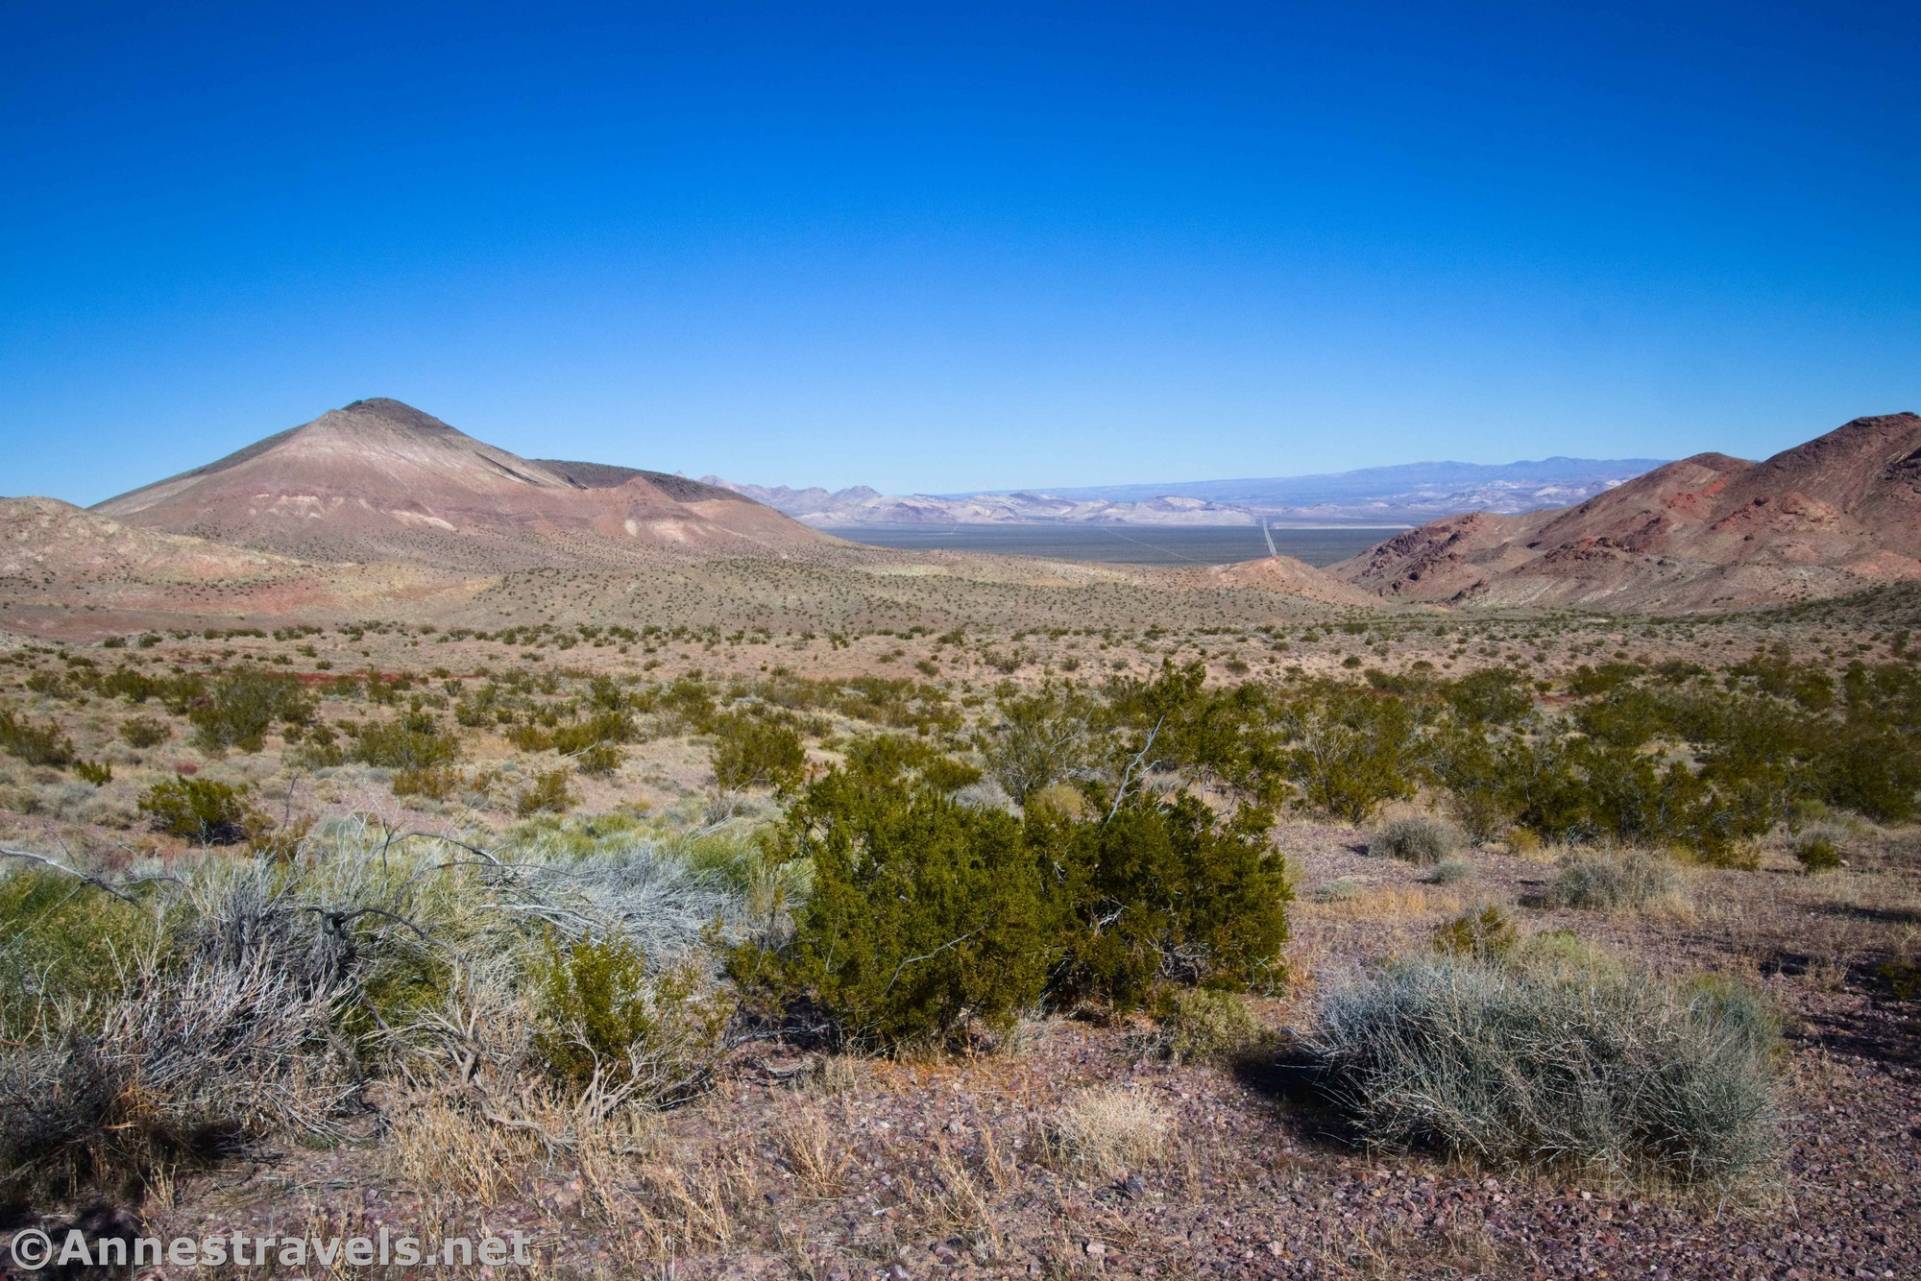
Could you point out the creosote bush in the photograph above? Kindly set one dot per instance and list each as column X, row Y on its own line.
column 602, row 1015
column 924, row 914
column 240, row 707
column 750, row 751
column 145, row 731
column 412, row 742
column 1164, row 891
column 1518, row 1066
column 1041, row 739
column 202, row 810
column 928, row 917
column 435, row 782
column 60, row 938
column 549, row 793
column 36, row 744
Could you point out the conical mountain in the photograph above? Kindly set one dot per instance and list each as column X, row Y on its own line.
column 380, row 480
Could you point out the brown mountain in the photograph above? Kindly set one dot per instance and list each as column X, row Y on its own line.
column 1837, row 514
column 378, row 480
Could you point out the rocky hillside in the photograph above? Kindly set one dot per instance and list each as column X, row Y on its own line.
column 1837, row 514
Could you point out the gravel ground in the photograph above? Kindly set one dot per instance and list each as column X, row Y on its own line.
column 838, row 1169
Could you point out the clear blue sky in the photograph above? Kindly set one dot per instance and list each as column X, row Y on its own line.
column 981, row 247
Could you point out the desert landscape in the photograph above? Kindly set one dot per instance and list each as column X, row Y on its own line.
column 1008, row 642
column 400, row 832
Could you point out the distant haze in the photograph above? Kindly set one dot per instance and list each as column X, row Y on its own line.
column 1375, row 496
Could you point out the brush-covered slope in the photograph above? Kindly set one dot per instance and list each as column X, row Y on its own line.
column 47, row 540
column 379, row 480
column 1837, row 514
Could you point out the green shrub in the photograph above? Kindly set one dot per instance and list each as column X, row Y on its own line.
column 601, row 1014
column 1421, row 841
column 547, row 794
column 1518, row 1067
column 34, row 744
column 99, row 773
column 413, row 742
column 1493, row 695
column 927, row 916
column 924, row 914
column 1201, row 1025
column 598, row 759
column 601, row 730
column 145, row 731
column 1817, row 852
column 1873, row 772
column 200, row 810
column 1480, row 793
column 435, row 782
column 1483, row 933
column 1603, row 883
column 1352, row 753
column 241, row 706
column 1041, row 739
column 530, row 738
column 61, row 938
column 753, row 752
column 1163, row 890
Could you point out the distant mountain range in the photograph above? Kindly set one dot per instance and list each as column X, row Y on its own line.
column 378, row 507
column 1408, row 494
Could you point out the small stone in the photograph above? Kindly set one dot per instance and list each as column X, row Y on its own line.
column 1096, row 1249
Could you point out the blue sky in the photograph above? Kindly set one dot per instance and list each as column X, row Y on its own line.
column 978, row 247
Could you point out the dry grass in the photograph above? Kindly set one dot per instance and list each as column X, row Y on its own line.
column 813, row 1150
column 1103, row 1132
column 957, row 1197
column 1389, row 903
column 433, row 1147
